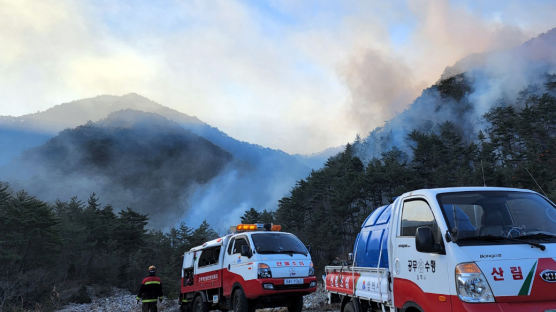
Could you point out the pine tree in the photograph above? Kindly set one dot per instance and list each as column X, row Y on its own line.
column 251, row 216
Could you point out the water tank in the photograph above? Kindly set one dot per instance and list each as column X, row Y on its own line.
column 373, row 237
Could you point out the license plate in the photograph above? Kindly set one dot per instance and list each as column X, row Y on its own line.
column 293, row 281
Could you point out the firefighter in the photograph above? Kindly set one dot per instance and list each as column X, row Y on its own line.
column 150, row 291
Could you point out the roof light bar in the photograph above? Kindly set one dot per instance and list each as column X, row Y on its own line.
column 257, row 227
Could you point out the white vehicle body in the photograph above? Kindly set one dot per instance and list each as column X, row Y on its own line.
column 470, row 269
column 254, row 267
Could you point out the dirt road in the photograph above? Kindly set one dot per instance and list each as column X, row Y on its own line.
column 123, row 300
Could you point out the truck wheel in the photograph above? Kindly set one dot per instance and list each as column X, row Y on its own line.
column 184, row 306
column 351, row 307
column 199, row 305
column 239, row 302
column 295, row 304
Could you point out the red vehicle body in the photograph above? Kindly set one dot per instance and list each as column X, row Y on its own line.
column 250, row 269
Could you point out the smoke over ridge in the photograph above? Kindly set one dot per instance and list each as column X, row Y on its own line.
column 130, row 159
column 166, row 164
column 466, row 91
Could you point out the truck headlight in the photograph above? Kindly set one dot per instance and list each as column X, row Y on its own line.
column 264, row 271
column 471, row 284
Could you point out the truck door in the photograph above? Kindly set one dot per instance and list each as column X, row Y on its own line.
column 240, row 263
column 419, row 278
column 237, row 268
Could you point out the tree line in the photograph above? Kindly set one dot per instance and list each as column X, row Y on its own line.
column 50, row 252
column 516, row 149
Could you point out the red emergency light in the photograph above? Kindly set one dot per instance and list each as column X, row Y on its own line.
column 258, row 227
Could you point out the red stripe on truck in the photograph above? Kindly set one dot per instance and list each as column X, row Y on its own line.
column 254, row 288
column 541, row 290
column 543, row 306
column 407, row 291
column 342, row 282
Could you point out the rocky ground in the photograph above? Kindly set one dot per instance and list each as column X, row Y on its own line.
column 122, row 300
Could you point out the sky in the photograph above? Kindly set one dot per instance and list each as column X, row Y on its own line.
column 300, row 76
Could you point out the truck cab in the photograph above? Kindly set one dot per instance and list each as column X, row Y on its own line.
column 453, row 249
column 257, row 266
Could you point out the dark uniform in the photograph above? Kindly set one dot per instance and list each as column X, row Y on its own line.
column 150, row 291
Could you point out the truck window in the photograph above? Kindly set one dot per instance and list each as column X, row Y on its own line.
column 497, row 213
column 209, row 256
column 520, row 212
column 417, row 213
column 276, row 243
column 240, row 242
column 230, row 245
column 188, row 277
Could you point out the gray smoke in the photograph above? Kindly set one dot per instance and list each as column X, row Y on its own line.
column 229, row 195
column 131, row 159
column 254, row 176
column 374, row 82
column 487, row 80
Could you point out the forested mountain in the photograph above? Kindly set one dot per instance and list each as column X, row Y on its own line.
column 69, row 115
column 466, row 91
column 131, row 158
column 34, row 129
column 271, row 172
column 516, row 148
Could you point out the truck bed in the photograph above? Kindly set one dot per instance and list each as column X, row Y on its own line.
column 361, row 282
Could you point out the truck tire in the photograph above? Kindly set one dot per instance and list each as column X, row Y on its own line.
column 199, row 305
column 295, row 304
column 240, row 303
column 351, row 307
column 185, row 308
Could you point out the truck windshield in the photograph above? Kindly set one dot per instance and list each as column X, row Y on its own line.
column 277, row 243
column 499, row 214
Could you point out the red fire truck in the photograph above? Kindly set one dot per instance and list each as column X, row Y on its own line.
column 258, row 266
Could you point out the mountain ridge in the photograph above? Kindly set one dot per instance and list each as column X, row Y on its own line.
column 466, row 91
column 146, row 162
column 252, row 166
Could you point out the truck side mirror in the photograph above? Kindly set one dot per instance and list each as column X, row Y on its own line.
column 424, row 240
column 350, row 257
column 246, row 251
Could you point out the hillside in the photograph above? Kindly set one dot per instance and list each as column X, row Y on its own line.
column 131, row 158
column 252, row 167
column 69, row 115
column 466, row 91
column 76, row 113
column 20, row 133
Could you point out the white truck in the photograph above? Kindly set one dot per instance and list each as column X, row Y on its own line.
column 257, row 266
column 452, row 249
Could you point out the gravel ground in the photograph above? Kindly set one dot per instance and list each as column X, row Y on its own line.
column 123, row 300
